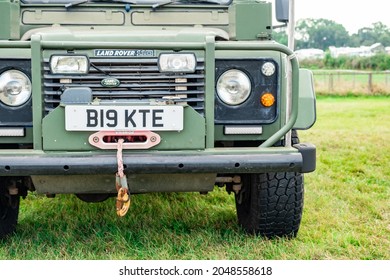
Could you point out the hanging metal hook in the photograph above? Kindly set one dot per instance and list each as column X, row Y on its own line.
column 123, row 197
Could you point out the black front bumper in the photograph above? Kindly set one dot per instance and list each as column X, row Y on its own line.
column 303, row 161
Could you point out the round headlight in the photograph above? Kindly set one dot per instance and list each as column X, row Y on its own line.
column 268, row 69
column 233, row 87
column 15, row 88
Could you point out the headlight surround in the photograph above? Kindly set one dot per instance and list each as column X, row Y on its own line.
column 177, row 62
column 234, row 87
column 15, row 88
column 69, row 64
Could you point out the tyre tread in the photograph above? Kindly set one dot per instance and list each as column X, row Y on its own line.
column 275, row 204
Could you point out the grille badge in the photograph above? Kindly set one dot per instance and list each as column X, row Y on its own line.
column 110, row 82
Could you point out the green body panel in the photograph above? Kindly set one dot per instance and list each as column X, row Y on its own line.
column 250, row 20
column 48, row 17
column 9, row 14
column 238, row 20
column 122, row 35
column 15, row 52
column 180, row 18
column 307, row 101
column 56, row 138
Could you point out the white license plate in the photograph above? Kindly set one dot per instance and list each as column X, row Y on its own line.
column 105, row 118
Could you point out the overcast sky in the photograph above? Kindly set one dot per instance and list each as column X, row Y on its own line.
column 352, row 14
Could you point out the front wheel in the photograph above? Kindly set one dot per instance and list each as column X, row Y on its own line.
column 271, row 204
column 9, row 212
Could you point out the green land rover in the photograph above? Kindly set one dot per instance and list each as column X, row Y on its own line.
column 103, row 98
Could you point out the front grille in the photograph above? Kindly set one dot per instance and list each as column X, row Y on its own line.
column 140, row 81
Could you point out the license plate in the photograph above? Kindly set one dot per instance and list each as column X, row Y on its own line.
column 104, row 118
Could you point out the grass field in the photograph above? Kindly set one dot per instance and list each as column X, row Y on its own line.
column 346, row 214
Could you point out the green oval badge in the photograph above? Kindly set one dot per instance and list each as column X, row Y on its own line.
column 110, row 82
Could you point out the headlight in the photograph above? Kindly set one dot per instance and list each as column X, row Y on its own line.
column 233, row 87
column 177, row 62
column 268, row 69
column 69, row 64
column 15, row 88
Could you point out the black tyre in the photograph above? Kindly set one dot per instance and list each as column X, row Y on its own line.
column 9, row 212
column 271, row 204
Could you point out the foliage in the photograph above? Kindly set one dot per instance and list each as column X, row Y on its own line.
column 378, row 62
column 367, row 36
column 320, row 34
column 280, row 36
column 323, row 33
column 346, row 214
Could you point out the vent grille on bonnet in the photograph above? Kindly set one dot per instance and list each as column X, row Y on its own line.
column 140, row 81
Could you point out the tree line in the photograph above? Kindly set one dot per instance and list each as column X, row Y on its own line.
column 323, row 33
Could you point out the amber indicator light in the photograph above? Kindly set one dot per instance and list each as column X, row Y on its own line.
column 267, row 100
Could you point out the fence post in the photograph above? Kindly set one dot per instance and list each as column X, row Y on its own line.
column 370, row 89
column 331, row 82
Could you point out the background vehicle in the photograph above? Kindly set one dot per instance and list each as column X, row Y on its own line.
column 172, row 96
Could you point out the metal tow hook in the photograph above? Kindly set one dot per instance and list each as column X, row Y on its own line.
column 123, row 197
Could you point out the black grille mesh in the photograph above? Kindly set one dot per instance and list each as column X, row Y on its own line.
column 140, row 81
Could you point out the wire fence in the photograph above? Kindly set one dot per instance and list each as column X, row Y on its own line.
column 352, row 82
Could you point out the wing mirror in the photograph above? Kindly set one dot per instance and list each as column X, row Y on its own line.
column 282, row 10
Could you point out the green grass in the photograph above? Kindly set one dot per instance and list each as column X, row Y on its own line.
column 346, row 214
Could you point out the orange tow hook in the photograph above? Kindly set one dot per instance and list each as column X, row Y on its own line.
column 122, row 200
